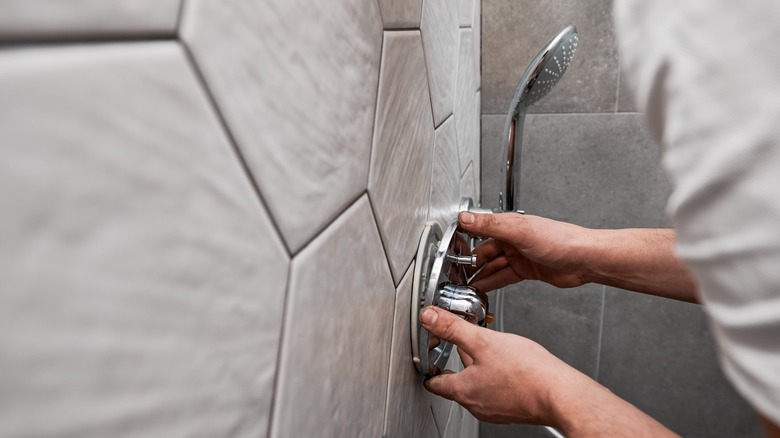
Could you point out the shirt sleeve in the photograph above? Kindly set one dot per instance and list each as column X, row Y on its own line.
column 706, row 73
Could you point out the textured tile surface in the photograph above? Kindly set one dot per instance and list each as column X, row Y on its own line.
column 516, row 30
column 408, row 403
column 401, row 14
column 566, row 322
column 441, row 39
column 47, row 19
column 596, row 170
column 476, row 26
column 466, row 9
column 337, row 334
column 492, row 132
column 659, row 355
column 304, row 125
column 488, row 430
column 445, row 184
column 399, row 183
column 430, row 430
column 466, row 105
column 468, row 188
column 454, row 422
column 143, row 285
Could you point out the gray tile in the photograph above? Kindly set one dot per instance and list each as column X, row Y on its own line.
column 658, row 354
column 25, row 20
column 408, row 403
column 488, row 430
column 300, row 104
column 490, row 163
column 337, row 333
column 441, row 39
column 476, row 26
column 445, row 183
column 143, row 284
column 468, row 187
column 399, row 182
column 596, row 170
column 430, row 430
column 566, row 322
column 466, row 103
column 470, row 426
column 401, row 14
column 454, row 422
column 626, row 101
column 516, row 30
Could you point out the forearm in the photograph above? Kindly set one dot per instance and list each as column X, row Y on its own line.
column 640, row 260
column 590, row 410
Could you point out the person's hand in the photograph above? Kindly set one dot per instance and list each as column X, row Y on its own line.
column 511, row 379
column 525, row 247
column 507, row 378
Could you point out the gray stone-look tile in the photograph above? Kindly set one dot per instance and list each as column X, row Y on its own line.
column 430, row 430
column 626, row 101
column 468, row 188
column 488, row 430
column 440, row 37
column 399, row 182
column 470, row 426
column 477, row 29
column 299, row 103
column 25, row 20
column 454, row 422
column 516, row 30
column 401, row 14
column 445, row 183
column 659, row 355
column 491, row 161
column 596, row 170
column 337, row 333
column 408, row 403
column 466, row 9
column 564, row 321
column 466, row 103
column 143, row 284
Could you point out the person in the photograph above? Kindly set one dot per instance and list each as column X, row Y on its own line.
column 706, row 75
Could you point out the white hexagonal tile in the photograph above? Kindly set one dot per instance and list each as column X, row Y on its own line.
column 47, row 19
column 296, row 82
column 466, row 8
column 466, row 106
column 401, row 14
column 399, row 182
column 440, row 40
column 445, row 180
column 143, row 285
column 334, row 363
column 408, row 402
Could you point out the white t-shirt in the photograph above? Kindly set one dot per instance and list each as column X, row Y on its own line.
column 707, row 75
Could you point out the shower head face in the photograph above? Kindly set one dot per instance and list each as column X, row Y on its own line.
column 546, row 69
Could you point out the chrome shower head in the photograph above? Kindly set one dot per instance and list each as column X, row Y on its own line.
column 541, row 75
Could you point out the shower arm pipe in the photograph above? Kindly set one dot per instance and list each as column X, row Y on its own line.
column 513, row 146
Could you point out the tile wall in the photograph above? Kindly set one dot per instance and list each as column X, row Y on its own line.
column 588, row 160
column 210, row 212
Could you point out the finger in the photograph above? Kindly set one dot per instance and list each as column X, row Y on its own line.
column 507, row 227
column 492, row 267
column 450, row 327
column 442, row 385
column 465, row 358
column 502, row 278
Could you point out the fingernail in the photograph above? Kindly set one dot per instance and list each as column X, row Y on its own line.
column 428, row 317
column 466, row 218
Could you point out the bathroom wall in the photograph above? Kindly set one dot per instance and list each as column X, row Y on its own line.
column 588, row 160
column 210, row 211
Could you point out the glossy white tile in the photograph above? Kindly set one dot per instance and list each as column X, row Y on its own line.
column 401, row 14
column 466, row 112
column 408, row 403
column 296, row 82
column 69, row 19
column 440, row 40
column 399, row 181
column 143, row 284
column 335, row 355
column 445, row 188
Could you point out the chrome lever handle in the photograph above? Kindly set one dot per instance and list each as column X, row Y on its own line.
column 465, row 302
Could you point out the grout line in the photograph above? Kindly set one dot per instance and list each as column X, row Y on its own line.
column 179, row 19
column 402, row 29
column 330, row 222
column 98, row 39
column 234, row 144
column 601, row 333
column 376, row 110
column 282, row 332
column 617, row 85
column 382, row 240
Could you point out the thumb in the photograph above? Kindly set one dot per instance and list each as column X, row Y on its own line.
column 450, row 327
column 500, row 226
column 442, row 385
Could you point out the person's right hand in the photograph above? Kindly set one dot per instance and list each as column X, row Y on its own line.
column 525, row 247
